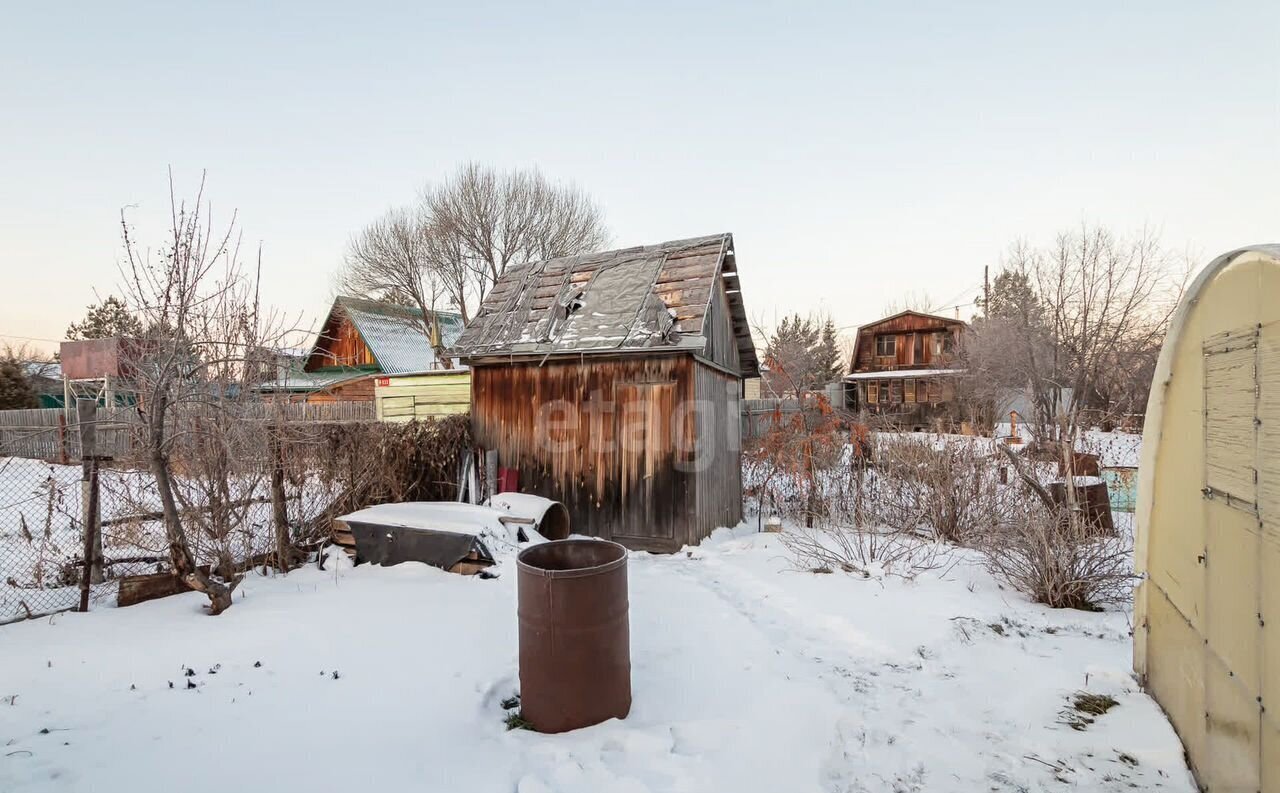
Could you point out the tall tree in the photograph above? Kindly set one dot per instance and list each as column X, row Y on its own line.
column 392, row 259
column 829, row 359
column 106, row 320
column 909, row 301
column 194, row 376
column 802, row 355
column 449, row 249
column 16, row 391
column 1013, row 298
column 1077, row 326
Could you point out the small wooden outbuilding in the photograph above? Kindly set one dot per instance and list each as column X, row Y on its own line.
column 1207, row 614
column 611, row 383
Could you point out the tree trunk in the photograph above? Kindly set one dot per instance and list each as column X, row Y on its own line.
column 279, row 506
column 184, row 564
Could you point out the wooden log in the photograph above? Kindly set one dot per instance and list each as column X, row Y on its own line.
column 136, row 589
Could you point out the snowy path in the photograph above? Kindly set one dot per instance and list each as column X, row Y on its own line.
column 745, row 678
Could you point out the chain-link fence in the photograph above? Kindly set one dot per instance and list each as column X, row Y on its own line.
column 41, row 536
column 49, row 492
column 272, row 496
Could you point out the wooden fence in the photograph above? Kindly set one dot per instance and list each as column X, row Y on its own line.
column 50, row 433
column 759, row 414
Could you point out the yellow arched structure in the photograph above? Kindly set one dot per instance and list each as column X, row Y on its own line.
column 1207, row 615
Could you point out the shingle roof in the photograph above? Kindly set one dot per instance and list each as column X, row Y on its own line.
column 394, row 333
column 628, row 300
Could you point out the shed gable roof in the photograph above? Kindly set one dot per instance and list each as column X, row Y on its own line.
column 647, row 298
column 393, row 334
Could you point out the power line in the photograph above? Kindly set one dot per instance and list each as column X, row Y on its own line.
column 28, row 338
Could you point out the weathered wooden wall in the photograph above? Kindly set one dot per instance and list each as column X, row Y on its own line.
column 355, row 390
column 718, row 484
column 615, row 439
column 722, row 346
column 339, row 344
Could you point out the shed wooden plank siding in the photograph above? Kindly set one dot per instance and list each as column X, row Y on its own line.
column 599, row 436
column 611, row 381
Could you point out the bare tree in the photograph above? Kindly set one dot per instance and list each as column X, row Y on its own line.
column 495, row 219
column 911, row 300
column 193, row 371
column 449, row 249
column 1074, row 326
column 395, row 258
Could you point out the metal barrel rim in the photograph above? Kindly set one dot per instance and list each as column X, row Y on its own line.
column 576, row 572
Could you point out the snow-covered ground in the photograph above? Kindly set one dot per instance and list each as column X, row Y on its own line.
column 746, row 677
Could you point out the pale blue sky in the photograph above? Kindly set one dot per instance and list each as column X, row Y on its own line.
column 857, row 151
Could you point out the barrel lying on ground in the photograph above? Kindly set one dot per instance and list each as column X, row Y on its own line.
column 575, row 643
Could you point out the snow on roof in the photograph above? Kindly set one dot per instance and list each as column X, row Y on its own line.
column 632, row 299
column 903, row 374
column 395, row 333
column 49, row 369
column 308, row 381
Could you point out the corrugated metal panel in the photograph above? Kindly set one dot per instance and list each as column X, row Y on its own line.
column 359, row 331
column 398, row 342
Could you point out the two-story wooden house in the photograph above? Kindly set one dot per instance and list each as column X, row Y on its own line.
column 902, row 372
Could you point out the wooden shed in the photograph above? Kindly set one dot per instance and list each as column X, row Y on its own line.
column 611, row 383
column 1207, row 613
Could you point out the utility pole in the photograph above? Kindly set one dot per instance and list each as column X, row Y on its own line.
column 986, row 291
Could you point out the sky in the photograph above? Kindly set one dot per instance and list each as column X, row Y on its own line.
column 859, row 152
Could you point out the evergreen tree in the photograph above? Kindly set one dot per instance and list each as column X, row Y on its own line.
column 802, row 355
column 106, row 320
column 830, row 367
column 1013, row 299
column 15, row 387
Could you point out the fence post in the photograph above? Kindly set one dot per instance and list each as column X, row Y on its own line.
column 86, row 416
column 63, row 457
column 491, row 473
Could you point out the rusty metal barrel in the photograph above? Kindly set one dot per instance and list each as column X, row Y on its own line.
column 575, row 639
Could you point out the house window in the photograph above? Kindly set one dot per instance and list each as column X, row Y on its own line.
column 886, row 345
column 871, row 392
column 895, row 391
column 941, row 344
column 884, row 390
column 918, row 348
column 909, row 390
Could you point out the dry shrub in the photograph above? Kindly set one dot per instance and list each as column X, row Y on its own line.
column 792, row 464
column 1057, row 558
column 370, row 463
column 945, row 487
column 865, row 551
